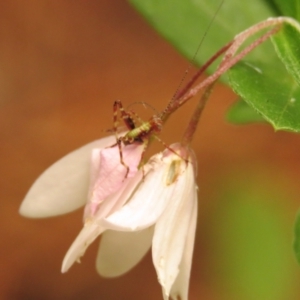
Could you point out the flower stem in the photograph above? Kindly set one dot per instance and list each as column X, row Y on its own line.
column 226, row 64
column 229, row 60
column 181, row 93
column 193, row 123
column 171, row 107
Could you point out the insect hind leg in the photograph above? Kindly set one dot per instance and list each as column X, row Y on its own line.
column 170, row 149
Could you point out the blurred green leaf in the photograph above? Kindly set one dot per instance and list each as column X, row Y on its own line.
column 289, row 8
column 184, row 23
column 251, row 240
column 272, row 92
column 297, row 237
column 286, row 43
column 241, row 113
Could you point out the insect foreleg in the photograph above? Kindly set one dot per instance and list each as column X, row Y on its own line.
column 126, row 116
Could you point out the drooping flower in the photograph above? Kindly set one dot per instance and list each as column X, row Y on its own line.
column 155, row 206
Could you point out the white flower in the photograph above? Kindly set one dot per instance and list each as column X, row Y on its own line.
column 154, row 206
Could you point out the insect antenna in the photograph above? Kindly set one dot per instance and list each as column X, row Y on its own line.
column 179, row 93
column 148, row 130
column 145, row 104
column 174, row 103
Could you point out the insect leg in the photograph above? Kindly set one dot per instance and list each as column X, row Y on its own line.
column 126, row 116
column 129, row 124
column 169, row 148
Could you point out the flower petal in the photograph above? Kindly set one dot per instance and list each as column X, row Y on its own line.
column 121, row 251
column 87, row 235
column 92, row 229
column 180, row 287
column 63, row 187
column 147, row 203
column 172, row 228
column 109, row 175
column 115, row 201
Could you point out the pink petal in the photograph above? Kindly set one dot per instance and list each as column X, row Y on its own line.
column 108, row 174
column 63, row 187
column 115, row 201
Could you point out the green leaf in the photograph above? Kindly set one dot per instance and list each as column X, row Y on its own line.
column 241, row 113
column 297, row 237
column 270, row 91
column 286, row 43
column 280, row 110
column 289, row 8
column 184, row 23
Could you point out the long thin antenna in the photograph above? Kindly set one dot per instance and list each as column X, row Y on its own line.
column 175, row 96
column 145, row 104
column 177, row 102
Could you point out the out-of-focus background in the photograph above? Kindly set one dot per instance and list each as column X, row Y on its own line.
column 62, row 64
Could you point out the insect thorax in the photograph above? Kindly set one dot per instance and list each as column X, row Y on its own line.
column 137, row 134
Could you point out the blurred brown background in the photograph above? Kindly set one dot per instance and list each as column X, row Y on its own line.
column 62, row 64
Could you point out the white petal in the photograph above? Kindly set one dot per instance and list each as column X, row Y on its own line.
column 146, row 205
column 92, row 229
column 171, row 230
column 87, row 235
column 180, row 287
column 63, row 187
column 121, row 251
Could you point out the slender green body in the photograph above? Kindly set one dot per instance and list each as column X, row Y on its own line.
column 136, row 132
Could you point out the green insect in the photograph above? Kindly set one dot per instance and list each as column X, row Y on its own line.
column 137, row 134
